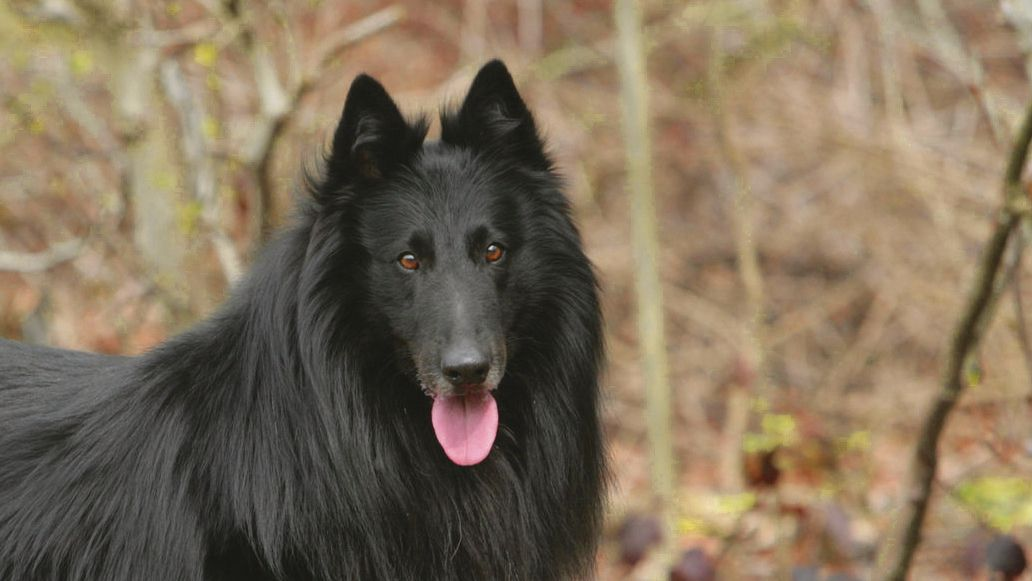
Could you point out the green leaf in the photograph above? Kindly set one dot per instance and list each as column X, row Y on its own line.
column 82, row 62
column 777, row 430
column 973, row 373
column 858, row 441
column 1002, row 502
column 205, row 54
column 189, row 216
column 736, row 504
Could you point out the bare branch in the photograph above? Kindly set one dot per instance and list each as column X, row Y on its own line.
column 185, row 35
column 898, row 551
column 279, row 103
column 197, row 155
column 26, row 262
column 1019, row 305
column 355, row 32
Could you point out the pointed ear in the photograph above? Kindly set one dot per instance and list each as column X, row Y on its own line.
column 493, row 117
column 372, row 136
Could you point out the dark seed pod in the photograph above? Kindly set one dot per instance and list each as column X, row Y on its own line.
column 693, row 565
column 636, row 536
column 1006, row 556
column 761, row 469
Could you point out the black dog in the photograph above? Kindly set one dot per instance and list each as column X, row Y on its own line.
column 404, row 387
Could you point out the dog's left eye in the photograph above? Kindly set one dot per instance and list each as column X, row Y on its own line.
column 494, row 252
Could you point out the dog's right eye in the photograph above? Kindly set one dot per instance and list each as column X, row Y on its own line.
column 408, row 261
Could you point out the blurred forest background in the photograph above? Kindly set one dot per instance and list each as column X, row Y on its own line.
column 856, row 147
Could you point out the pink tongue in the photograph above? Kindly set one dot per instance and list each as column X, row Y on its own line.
column 465, row 426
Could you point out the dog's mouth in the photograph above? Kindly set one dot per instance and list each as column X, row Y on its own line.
column 465, row 425
column 464, row 415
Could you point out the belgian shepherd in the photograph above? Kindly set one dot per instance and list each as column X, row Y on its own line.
column 404, row 386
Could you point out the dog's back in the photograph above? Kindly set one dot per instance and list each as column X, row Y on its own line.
column 87, row 485
column 38, row 380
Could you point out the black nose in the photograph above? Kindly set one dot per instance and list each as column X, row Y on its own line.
column 465, row 368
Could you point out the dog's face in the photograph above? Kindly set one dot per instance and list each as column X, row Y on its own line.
column 444, row 247
column 442, row 226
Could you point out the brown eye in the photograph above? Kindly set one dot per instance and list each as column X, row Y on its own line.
column 408, row 261
column 494, row 252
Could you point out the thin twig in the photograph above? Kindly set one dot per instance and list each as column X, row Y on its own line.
column 743, row 213
column 855, row 358
column 704, row 313
column 898, row 551
column 817, row 312
column 949, row 48
column 748, row 263
column 530, row 14
column 357, row 31
column 1019, row 306
column 888, row 32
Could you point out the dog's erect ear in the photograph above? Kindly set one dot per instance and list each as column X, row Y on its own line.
column 372, row 136
column 493, row 117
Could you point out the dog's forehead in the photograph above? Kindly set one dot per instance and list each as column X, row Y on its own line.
column 443, row 192
column 450, row 186
column 448, row 168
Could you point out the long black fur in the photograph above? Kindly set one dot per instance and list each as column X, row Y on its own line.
column 288, row 436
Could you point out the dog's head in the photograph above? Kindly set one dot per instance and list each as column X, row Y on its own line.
column 444, row 226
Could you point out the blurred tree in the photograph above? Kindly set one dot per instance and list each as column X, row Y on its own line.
column 651, row 335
